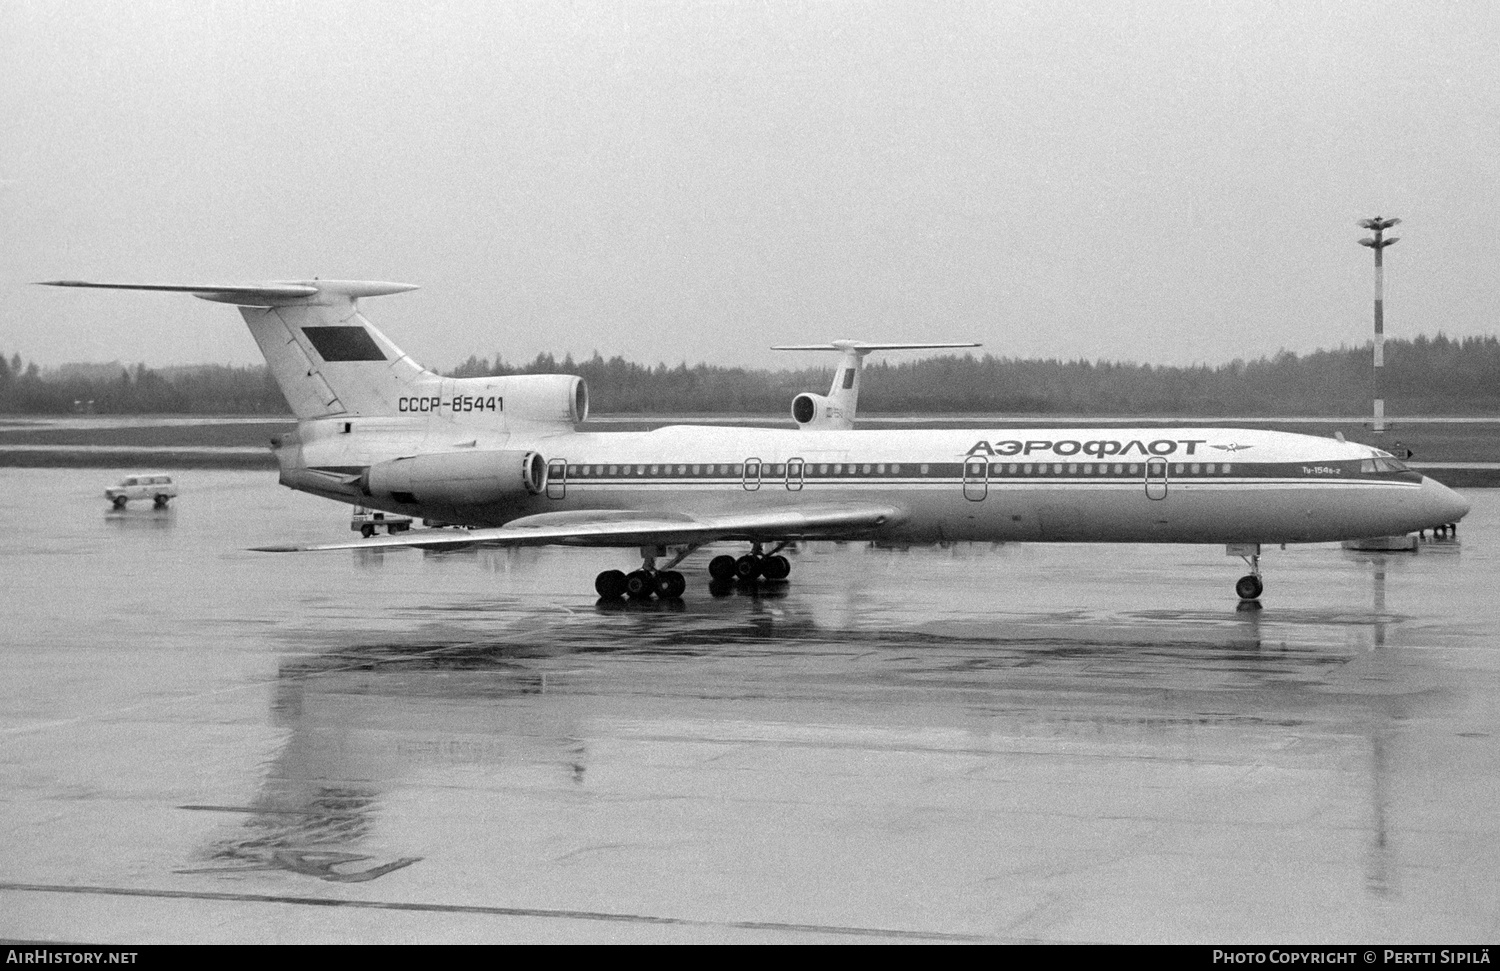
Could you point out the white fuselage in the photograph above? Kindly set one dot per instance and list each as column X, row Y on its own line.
column 1169, row 485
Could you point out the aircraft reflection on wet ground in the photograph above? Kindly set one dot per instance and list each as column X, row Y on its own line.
column 924, row 744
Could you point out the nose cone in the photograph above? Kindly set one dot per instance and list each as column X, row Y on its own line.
column 1440, row 504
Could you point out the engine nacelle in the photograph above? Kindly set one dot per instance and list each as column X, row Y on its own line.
column 808, row 409
column 470, row 478
column 556, row 398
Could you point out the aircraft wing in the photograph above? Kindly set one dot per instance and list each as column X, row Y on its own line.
column 640, row 528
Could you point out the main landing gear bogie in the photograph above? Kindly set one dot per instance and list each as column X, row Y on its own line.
column 757, row 566
column 753, row 566
column 667, row 584
column 640, row 584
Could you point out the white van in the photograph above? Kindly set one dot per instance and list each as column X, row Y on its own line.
column 156, row 486
column 367, row 521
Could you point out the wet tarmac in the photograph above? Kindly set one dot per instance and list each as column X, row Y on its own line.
column 1019, row 743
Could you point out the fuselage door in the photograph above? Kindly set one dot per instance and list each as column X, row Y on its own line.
column 1156, row 478
column 794, row 474
column 752, row 475
column 976, row 479
column 557, row 478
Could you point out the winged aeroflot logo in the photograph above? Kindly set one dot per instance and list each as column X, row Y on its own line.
column 1231, row 447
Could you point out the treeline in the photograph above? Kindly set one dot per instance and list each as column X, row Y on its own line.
column 199, row 390
column 1422, row 376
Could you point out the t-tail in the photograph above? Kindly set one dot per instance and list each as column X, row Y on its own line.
column 332, row 363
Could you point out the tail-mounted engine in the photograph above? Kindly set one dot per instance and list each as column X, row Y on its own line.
column 550, row 398
column 470, row 478
column 811, row 409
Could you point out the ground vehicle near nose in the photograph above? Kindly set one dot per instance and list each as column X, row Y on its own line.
column 505, row 458
column 156, row 486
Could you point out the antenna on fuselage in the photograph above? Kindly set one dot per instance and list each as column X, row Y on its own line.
column 837, row 409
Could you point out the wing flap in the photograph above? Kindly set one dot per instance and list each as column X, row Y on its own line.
column 625, row 528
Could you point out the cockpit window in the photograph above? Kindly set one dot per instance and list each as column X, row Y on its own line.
column 1382, row 464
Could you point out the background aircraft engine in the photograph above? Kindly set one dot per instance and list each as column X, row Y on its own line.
column 807, row 408
column 546, row 397
column 472, row 478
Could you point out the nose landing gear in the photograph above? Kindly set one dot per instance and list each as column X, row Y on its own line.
column 1248, row 587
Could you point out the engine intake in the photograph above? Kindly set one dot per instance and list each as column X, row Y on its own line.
column 808, row 408
column 472, row 478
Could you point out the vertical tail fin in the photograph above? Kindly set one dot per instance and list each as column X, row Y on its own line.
column 325, row 356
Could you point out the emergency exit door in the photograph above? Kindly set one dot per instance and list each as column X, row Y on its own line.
column 1156, row 478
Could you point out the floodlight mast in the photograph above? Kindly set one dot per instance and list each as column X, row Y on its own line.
column 1378, row 243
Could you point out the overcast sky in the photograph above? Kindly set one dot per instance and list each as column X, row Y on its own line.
column 1143, row 181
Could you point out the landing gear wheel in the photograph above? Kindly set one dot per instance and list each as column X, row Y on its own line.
column 119, row 502
column 670, row 585
column 747, row 567
column 721, row 567
column 776, row 567
column 640, row 585
column 1249, row 587
column 160, row 502
column 610, row 585
column 367, row 530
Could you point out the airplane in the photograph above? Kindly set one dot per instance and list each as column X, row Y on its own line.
column 503, row 458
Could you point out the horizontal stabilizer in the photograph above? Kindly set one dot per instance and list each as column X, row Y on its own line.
column 864, row 347
column 275, row 294
column 625, row 528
